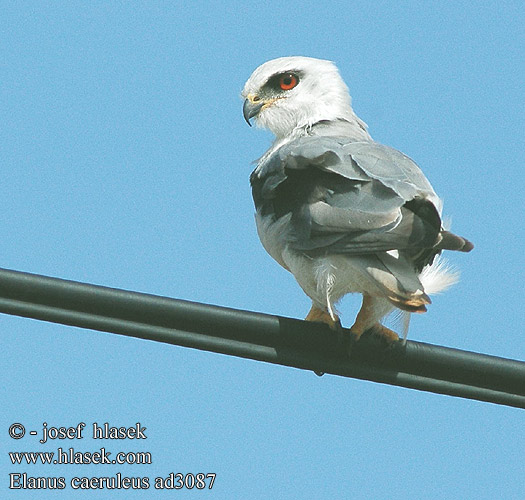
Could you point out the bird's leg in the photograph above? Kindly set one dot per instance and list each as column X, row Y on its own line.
column 366, row 320
column 321, row 316
column 364, row 317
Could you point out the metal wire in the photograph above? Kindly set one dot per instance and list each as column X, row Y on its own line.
column 263, row 337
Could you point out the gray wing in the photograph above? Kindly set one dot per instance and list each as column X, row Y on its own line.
column 348, row 197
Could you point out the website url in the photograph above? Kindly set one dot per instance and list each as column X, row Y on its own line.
column 71, row 456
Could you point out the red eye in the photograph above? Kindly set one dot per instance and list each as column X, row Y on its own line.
column 288, row 81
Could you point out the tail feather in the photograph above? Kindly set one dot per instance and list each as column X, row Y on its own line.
column 435, row 278
column 451, row 241
column 401, row 284
column 439, row 276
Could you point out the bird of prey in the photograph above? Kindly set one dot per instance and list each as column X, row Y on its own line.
column 341, row 212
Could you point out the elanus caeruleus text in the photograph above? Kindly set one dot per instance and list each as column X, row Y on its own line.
column 341, row 212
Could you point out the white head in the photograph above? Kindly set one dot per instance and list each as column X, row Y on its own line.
column 293, row 93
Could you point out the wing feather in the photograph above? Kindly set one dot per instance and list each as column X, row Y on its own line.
column 347, row 197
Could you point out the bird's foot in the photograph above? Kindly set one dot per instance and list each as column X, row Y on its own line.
column 385, row 334
column 321, row 316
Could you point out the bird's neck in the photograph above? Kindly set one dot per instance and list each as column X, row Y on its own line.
column 353, row 128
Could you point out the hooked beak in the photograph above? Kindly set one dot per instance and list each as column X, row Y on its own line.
column 251, row 108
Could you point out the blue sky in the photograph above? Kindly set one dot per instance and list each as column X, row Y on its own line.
column 125, row 162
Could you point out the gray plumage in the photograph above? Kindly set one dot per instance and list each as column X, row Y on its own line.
column 341, row 212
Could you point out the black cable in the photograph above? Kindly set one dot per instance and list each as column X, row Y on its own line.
column 263, row 337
